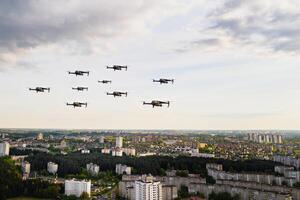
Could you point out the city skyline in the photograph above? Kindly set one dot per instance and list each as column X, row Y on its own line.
column 235, row 64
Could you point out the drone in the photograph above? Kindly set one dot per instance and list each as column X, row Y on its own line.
column 164, row 81
column 157, row 103
column 117, row 94
column 117, row 67
column 79, row 73
column 77, row 104
column 40, row 89
column 104, row 81
column 80, row 88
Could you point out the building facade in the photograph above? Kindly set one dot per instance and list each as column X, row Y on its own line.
column 75, row 187
column 4, row 149
column 148, row 189
column 52, row 167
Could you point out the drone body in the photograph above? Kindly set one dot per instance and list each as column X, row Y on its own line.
column 105, row 81
column 77, row 104
column 40, row 89
column 80, row 73
column 156, row 103
column 81, row 88
column 117, row 67
column 117, row 94
column 164, row 81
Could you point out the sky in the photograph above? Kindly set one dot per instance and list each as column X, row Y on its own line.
column 235, row 63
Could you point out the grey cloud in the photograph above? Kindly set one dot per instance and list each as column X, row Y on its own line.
column 196, row 44
column 244, row 22
column 32, row 23
column 278, row 30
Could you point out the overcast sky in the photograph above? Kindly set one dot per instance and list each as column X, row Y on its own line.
column 236, row 63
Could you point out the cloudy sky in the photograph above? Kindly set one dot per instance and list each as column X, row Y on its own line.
column 236, row 63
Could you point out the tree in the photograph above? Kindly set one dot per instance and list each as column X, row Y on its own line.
column 84, row 196
column 183, row 192
column 10, row 179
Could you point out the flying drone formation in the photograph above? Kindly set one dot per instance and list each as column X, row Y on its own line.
column 153, row 103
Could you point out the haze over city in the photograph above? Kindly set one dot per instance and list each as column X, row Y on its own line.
column 235, row 63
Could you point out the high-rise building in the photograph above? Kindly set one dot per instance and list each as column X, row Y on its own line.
column 26, row 167
column 123, row 169
column 52, row 167
column 129, row 151
column 92, row 168
column 4, row 149
column 148, row 189
column 101, row 139
column 74, row 187
column 265, row 138
column 117, row 152
column 119, row 142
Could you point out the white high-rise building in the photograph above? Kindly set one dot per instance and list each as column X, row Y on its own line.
column 26, row 167
column 101, row 139
column 4, row 149
column 74, row 187
column 92, row 168
column 129, row 151
column 123, row 169
column 148, row 189
column 119, row 142
column 265, row 138
column 52, row 167
column 117, row 152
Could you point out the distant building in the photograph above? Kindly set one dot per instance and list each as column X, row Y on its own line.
column 214, row 166
column 85, row 151
column 129, row 151
column 52, row 167
column 25, row 169
column 105, row 151
column 93, row 169
column 148, row 189
column 101, row 139
column 119, row 142
column 117, row 152
column 123, row 169
column 40, row 136
column 74, row 187
column 4, row 149
column 63, row 144
column 265, row 138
